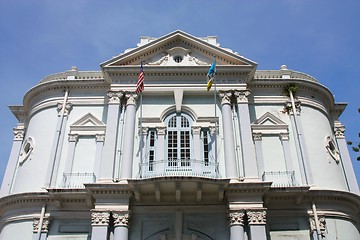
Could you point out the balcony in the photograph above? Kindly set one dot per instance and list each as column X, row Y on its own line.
column 77, row 180
column 179, row 167
column 280, row 178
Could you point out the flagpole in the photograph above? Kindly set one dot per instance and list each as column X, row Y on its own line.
column 216, row 131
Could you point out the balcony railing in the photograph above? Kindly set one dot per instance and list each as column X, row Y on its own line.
column 179, row 167
column 77, row 180
column 280, row 178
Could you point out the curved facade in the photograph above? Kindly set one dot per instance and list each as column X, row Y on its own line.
column 262, row 155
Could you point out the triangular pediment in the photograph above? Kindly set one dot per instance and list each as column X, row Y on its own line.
column 178, row 49
column 269, row 119
column 87, row 125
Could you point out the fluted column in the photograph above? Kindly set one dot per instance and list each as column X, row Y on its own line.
column 13, row 159
column 100, row 225
column 229, row 145
column 257, row 223
column 236, row 219
column 248, row 151
column 112, row 123
column 129, row 135
column 345, row 158
column 121, row 225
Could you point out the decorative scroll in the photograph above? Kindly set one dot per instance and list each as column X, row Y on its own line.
column 256, row 216
column 236, row 218
column 100, row 218
column 121, row 218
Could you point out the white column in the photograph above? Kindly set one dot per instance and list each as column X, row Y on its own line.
column 345, row 158
column 248, row 151
column 112, row 122
column 229, row 145
column 143, row 148
column 259, row 153
column 13, row 160
column 237, row 225
column 100, row 225
column 121, row 225
column 129, row 134
column 213, row 150
column 257, row 223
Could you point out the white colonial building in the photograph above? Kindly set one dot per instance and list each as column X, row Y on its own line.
column 262, row 155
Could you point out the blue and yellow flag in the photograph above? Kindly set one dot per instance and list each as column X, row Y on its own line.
column 211, row 75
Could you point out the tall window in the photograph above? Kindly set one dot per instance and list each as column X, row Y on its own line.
column 179, row 140
column 151, row 147
column 206, row 139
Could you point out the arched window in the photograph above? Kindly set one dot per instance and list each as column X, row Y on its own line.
column 179, row 140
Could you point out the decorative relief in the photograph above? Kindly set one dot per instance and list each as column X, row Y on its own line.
column 236, row 218
column 332, row 149
column 339, row 131
column 44, row 227
column 67, row 108
column 115, row 97
column 121, row 218
column 256, row 216
column 19, row 133
column 100, row 218
column 288, row 107
column 26, row 150
column 322, row 224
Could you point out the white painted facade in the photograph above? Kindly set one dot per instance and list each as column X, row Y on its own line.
column 91, row 159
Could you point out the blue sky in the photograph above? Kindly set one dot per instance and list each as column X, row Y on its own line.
column 38, row 38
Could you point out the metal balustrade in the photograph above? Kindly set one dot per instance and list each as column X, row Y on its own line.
column 280, row 178
column 178, row 167
column 77, row 180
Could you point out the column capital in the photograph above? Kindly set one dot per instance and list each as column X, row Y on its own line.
column 196, row 130
column 241, row 95
column 288, row 107
column 284, row 136
column 73, row 137
column 213, row 130
column 256, row 216
column 44, row 227
column 100, row 218
column 99, row 137
column 257, row 136
column 115, row 96
column 143, row 131
column 225, row 97
column 339, row 131
column 322, row 224
column 121, row 218
column 131, row 98
column 237, row 217
column 19, row 133
column 67, row 108
column 161, row 130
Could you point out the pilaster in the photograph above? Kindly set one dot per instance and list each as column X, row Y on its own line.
column 121, row 225
column 257, row 223
column 100, row 224
column 40, row 234
column 236, row 219
column 248, row 151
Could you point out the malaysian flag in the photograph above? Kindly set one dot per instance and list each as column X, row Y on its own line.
column 140, row 82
